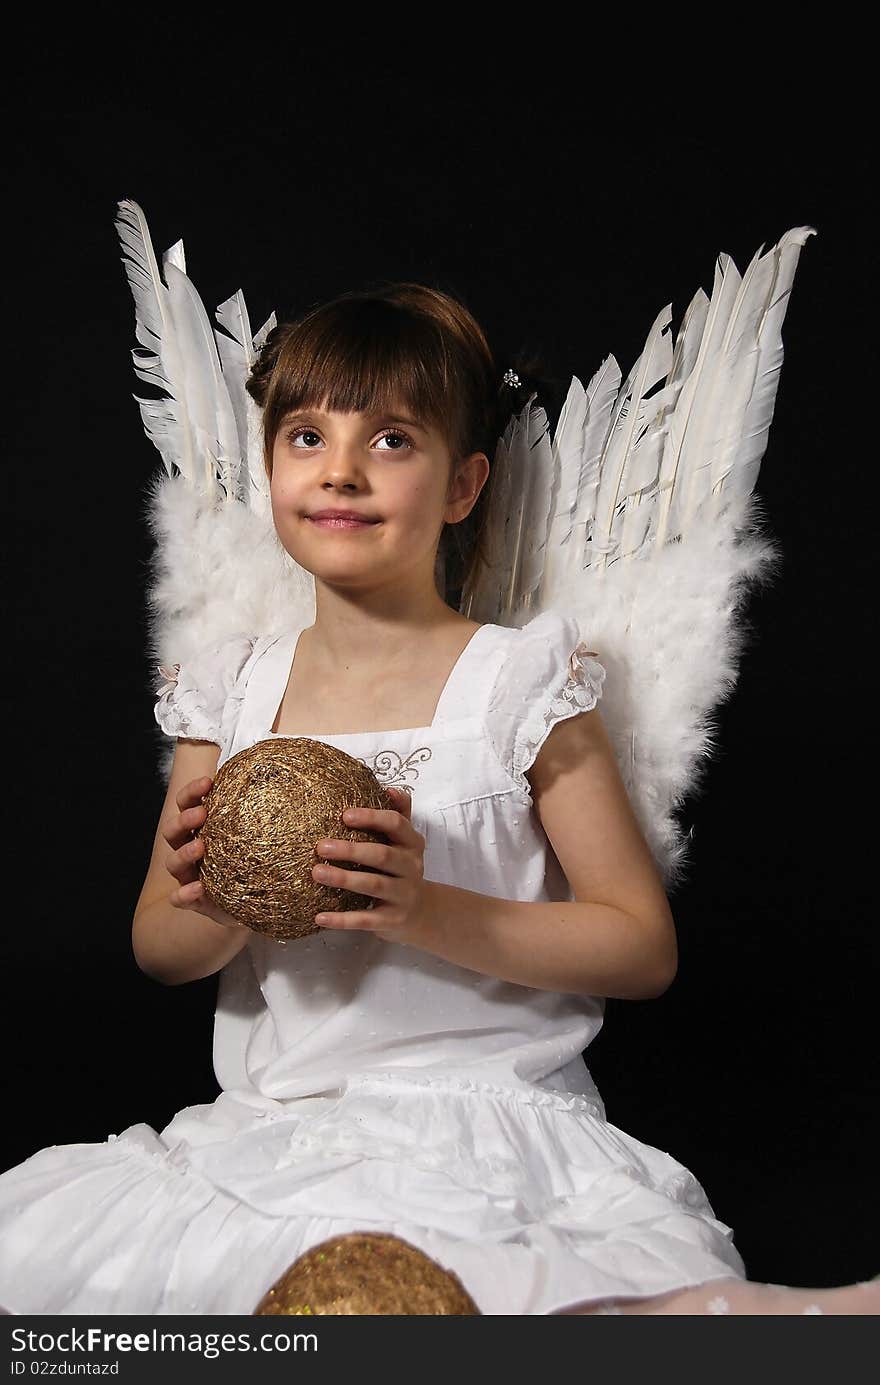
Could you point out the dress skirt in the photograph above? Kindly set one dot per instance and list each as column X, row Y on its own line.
column 529, row 1196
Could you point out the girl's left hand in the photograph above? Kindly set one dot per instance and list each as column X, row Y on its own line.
column 400, row 889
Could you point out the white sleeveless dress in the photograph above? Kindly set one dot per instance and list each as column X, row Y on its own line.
column 369, row 1085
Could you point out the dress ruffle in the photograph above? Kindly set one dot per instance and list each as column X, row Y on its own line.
column 201, row 698
column 551, row 675
column 532, row 1199
column 579, row 691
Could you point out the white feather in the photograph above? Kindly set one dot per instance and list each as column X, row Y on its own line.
column 627, row 468
column 236, row 350
column 755, row 353
column 530, row 462
column 688, row 450
column 208, row 403
column 166, row 421
column 578, row 448
column 238, row 353
column 259, row 495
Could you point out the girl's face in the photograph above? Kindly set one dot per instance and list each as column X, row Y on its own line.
column 390, row 469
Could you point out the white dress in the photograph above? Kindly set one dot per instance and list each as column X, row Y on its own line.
column 371, row 1086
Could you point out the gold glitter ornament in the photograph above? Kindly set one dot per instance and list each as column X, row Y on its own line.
column 267, row 807
column 366, row 1273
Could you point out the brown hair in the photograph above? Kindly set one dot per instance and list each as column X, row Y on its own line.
column 391, row 342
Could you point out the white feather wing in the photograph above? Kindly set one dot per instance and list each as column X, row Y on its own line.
column 218, row 567
column 651, row 536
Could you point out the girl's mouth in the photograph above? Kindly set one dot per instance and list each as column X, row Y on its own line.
column 327, row 523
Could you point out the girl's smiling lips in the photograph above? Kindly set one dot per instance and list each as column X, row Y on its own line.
column 341, row 519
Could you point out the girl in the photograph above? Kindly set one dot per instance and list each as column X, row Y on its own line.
column 415, row 1067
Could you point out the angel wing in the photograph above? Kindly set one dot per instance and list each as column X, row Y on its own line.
column 639, row 518
column 219, row 568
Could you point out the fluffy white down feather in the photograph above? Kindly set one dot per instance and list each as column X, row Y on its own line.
column 670, row 641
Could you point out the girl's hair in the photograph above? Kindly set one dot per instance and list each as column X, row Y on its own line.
column 411, row 343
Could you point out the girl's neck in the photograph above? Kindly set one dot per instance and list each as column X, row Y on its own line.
column 344, row 634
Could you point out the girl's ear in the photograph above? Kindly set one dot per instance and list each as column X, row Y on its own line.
column 469, row 478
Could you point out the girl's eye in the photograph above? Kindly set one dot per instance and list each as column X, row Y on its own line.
column 305, row 431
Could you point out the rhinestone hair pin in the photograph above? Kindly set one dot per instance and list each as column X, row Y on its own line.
column 511, row 378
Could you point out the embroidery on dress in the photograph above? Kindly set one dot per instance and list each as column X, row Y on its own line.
column 390, row 768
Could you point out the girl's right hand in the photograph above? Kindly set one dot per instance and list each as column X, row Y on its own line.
column 188, row 851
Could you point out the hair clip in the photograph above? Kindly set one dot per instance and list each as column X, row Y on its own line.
column 511, row 378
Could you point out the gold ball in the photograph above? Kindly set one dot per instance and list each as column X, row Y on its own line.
column 267, row 807
column 366, row 1273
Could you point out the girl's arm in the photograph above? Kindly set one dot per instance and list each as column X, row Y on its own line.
column 577, row 948
column 173, row 943
column 617, row 938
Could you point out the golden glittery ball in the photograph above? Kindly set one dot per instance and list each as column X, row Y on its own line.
column 366, row 1273
column 267, row 807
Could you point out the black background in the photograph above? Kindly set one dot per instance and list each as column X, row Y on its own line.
column 567, row 213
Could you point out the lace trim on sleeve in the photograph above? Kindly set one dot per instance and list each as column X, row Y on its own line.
column 170, row 676
column 181, row 708
column 201, row 700
column 579, row 692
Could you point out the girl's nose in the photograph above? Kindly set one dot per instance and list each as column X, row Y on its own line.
column 342, row 468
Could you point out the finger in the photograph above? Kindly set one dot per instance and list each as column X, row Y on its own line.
column 385, row 820
column 193, row 792
column 185, row 863
column 402, row 801
column 188, row 895
column 357, row 881
column 381, row 856
column 351, row 919
column 185, row 827
column 192, row 897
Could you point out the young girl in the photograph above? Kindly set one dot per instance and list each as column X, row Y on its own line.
column 415, row 1067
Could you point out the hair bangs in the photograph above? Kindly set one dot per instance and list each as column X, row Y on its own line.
column 362, row 356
